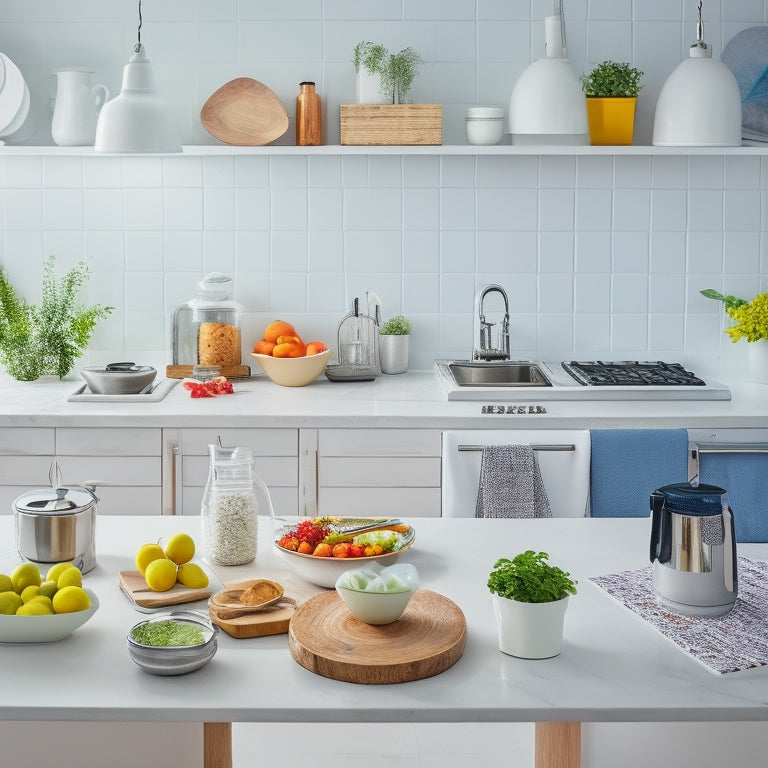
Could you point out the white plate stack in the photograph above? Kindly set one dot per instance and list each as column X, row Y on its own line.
column 14, row 98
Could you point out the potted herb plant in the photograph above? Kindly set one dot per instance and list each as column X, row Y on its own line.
column 46, row 340
column 751, row 324
column 530, row 597
column 611, row 89
column 384, row 77
column 393, row 344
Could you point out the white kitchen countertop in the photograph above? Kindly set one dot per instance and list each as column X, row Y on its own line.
column 613, row 666
column 413, row 400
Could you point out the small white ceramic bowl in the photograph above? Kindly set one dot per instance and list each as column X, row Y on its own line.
column 378, row 595
column 293, row 371
column 45, row 629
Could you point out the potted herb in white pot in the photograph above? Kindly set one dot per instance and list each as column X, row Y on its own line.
column 393, row 344
column 530, row 597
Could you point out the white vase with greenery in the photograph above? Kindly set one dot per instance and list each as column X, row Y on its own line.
column 393, row 344
column 384, row 77
column 530, row 598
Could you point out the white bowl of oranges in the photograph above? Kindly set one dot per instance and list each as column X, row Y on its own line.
column 37, row 608
column 287, row 359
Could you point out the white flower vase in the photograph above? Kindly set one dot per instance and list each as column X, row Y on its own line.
column 758, row 360
column 530, row 630
column 393, row 353
column 367, row 88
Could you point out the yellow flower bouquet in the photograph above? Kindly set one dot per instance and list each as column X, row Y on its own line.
column 751, row 316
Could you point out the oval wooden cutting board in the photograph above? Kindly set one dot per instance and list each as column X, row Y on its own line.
column 244, row 112
column 325, row 638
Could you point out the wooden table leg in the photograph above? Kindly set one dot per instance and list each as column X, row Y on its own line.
column 217, row 745
column 558, row 745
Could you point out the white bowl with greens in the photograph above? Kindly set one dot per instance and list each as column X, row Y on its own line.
column 378, row 595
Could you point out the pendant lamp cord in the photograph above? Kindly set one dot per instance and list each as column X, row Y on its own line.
column 137, row 47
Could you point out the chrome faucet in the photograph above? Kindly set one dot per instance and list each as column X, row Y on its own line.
column 484, row 349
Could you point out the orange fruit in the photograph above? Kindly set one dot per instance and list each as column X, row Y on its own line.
column 289, row 346
column 278, row 328
column 315, row 347
column 263, row 347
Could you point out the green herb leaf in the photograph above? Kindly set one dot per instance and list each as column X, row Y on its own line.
column 528, row 578
column 612, row 79
column 396, row 326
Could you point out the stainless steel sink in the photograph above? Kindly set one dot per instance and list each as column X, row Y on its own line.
column 497, row 374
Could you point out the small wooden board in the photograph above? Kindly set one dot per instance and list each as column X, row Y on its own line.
column 391, row 124
column 230, row 371
column 273, row 621
column 325, row 638
column 134, row 585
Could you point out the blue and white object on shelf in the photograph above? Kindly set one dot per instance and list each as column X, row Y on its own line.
column 747, row 57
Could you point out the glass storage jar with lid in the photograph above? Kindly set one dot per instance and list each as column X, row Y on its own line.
column 206, row 329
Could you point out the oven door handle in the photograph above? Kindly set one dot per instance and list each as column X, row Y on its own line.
column 535, row 447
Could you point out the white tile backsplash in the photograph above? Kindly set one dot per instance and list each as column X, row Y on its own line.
column 600, row 254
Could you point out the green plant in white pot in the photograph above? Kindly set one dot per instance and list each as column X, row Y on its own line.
column 393, row 344
column 46, row 340
column 384, row 77
column 530, row 597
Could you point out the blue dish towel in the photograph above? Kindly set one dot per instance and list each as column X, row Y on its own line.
column 745, row 477
column 629, row 464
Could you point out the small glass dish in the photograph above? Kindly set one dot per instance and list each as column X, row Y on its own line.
column 174, row 659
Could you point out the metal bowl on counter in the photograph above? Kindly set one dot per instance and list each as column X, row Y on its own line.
column 119, row 379
column 173, row 643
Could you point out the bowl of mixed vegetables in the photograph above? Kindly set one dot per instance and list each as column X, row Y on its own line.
column 321, row 549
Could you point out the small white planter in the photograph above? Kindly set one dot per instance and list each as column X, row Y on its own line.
column 758, row 360
column 530, row 630
column 367, row 88
column 393, row 353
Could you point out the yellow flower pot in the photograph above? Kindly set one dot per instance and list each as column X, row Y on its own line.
column 611, row 119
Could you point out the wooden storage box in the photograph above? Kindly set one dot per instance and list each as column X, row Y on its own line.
column 391, row 124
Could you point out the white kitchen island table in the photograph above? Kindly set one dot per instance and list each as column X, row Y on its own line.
column 613, row 667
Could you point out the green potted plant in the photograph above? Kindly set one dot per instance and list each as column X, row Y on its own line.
column 530, row 597
column 46, row 340
column 393, row 344
column 384, row 77
column 751, row 323
column 611, row 89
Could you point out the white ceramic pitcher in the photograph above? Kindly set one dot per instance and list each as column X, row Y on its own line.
column 77, row 107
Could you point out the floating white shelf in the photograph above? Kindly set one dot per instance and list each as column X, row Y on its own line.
column 218, row 150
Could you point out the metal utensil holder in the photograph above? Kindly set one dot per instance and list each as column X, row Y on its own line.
column 358, row 343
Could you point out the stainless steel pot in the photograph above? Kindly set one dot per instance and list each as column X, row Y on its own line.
column 119, row 379
column 55, row 525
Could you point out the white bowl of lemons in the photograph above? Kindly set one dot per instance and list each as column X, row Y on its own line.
column 37, row 608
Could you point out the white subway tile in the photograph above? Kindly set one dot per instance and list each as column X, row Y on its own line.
column 105, row 251
column 705, row 210
column 288, row 208
column 668, row 210
column 667, row 252
column 742, row 172
column 144, row 209
column 219, row 252
column 439, row 9
column 507, row 171
column 183, row 208
column 593, row 251
column 741, row 252
column 143, row 172
column 555, row 336
column 373, row 251
column 63, row 172
column 632, row 209
column 630, row 251
column 458, row 171
column 495, row 252
column 252, row 208
column 326, row 209
column 63, row 209
column 420, row 171
column 144, row 251
column 669, row 172
column 219, row 172
column 505, row 208
column 741, row 210
column 594, row 172
column 325, row 250
column 184, row 250
column 325, row 293
column 252, row 171
column 287, row 292
column 23, row 172
column 457, row 251
column 592, row 294
column 457, row 292
column 421, row 293
column 556, row 252
column 252, row 249
column 666, row 333
column 557, row 171
column 24, row 209
column 103, row 172
column 629, row 335
column 594, row 209
column 421, row 208
column 104, row 208
column 556, row 210
column 288, row 252
column 218, row 208
column 180, row 171
column 288, row 171
column 705, row 172
column 67, row 245
column 629, row 293
column 144, row 292
column 373, row 209
column 667, row 294
column 324, row 171
column 555, row 293
column 591, row 336
column 421, row 251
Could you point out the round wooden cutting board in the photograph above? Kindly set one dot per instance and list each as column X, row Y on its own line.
column 325, row 638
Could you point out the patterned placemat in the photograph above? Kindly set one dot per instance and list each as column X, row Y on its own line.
column 730, row 643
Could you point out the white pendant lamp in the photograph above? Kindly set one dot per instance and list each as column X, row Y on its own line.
column 138, row 119
column 548, row 105
column 699, row 104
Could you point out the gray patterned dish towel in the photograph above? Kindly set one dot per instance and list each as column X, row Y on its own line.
column 511, row 484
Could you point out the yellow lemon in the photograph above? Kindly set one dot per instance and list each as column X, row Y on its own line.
column 41, row 600
column 192, row 575
column 55, row 571
column 34, row 608
column 48, row 588
column 70, row 600
column 29, row 592
column 70, row 577
column 180, row 548
column 146, row 554
column 160, row 575
column 10, row 602
column 23, row 575
column 6, row 583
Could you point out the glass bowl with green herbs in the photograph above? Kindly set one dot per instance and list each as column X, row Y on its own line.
column 173, row 643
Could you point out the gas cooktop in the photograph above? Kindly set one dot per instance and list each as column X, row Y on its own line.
column 631, row 373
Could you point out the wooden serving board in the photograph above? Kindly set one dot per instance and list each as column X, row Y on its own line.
column 325, row 638
column 133, row 584
column 273, row 621
column 230, row 371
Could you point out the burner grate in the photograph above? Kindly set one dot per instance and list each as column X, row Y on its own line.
column 630, row 373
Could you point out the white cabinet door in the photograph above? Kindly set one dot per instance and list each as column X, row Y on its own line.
column 378, row 472
column 275, row 452
column 25, row 460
